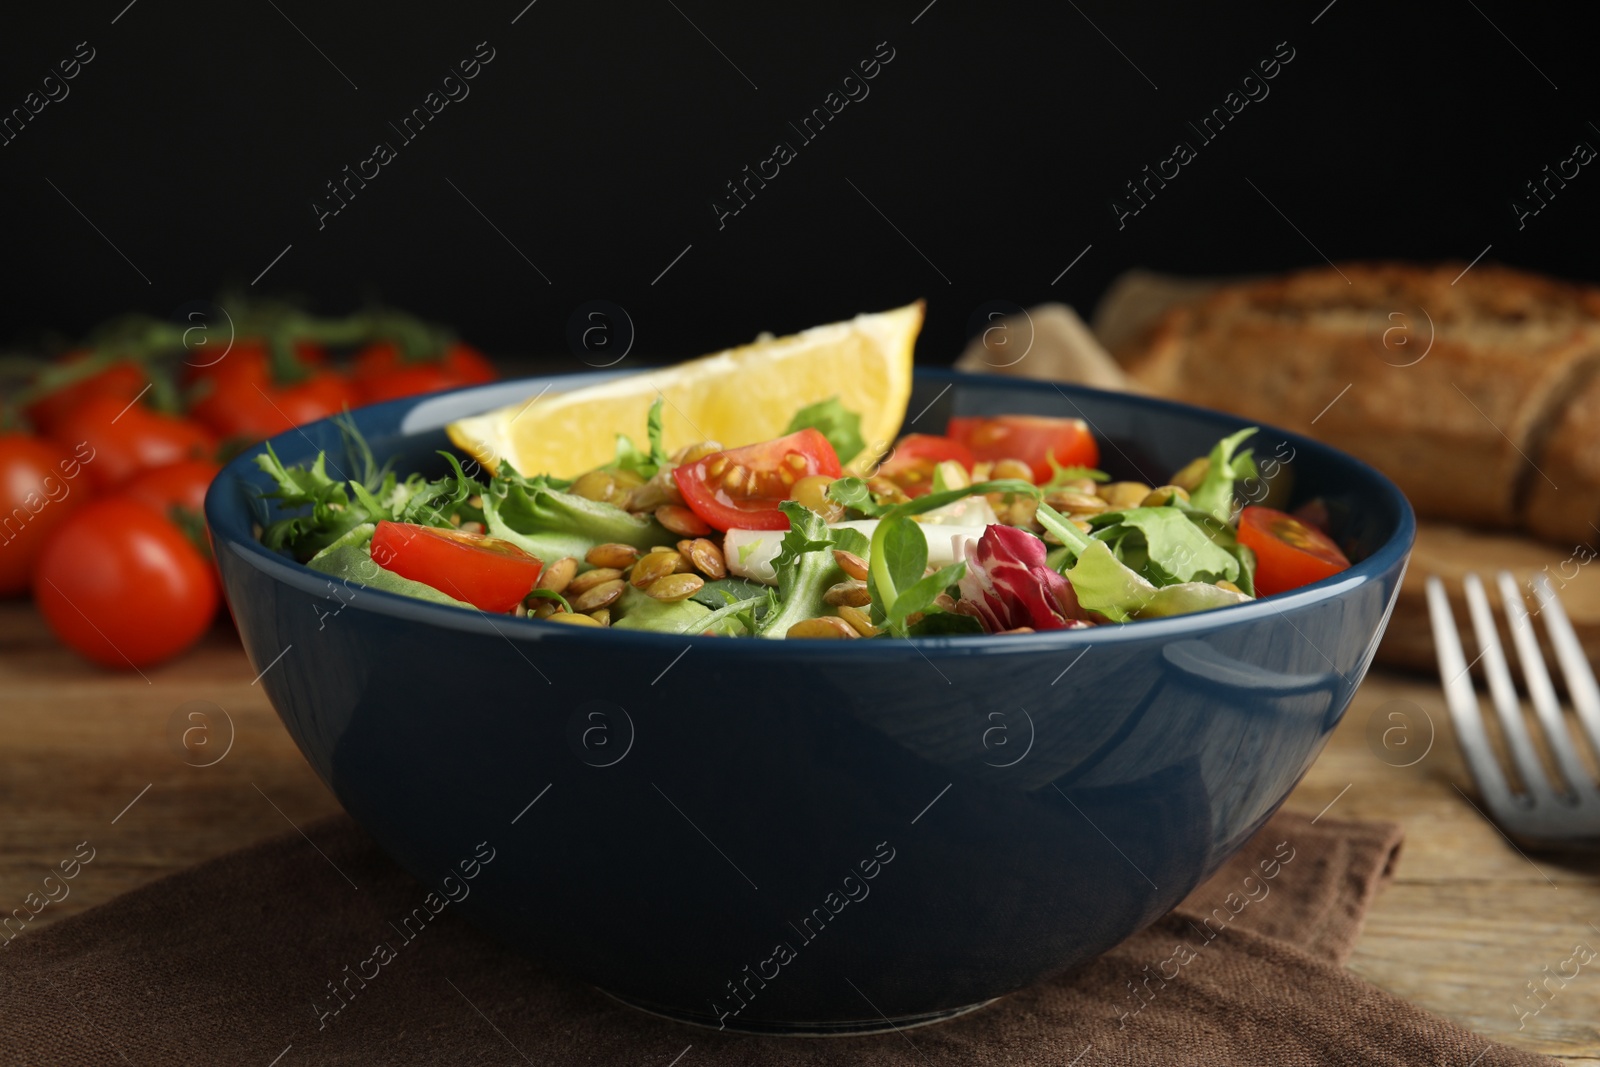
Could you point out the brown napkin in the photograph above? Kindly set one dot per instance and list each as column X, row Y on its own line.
column 222, row 964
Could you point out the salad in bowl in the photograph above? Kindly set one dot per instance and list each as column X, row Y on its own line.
column 1003, row 524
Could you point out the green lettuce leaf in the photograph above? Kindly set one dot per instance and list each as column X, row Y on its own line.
column 350, row 561
column 1104, row 584
column 1214, row 494
column 643, row 462
column 551, row 524
column 805, row 567
column 1188, row 597
column 1166, row 547
column 637, row 610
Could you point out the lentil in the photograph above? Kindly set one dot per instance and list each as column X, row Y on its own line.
column 601, row 596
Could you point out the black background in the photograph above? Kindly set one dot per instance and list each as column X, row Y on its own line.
column 600, row 134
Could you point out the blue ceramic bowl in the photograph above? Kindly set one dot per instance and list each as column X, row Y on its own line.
column 815, row 836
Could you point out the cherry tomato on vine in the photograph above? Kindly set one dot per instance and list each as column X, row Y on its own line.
column 383, row 373
column 488, row 572
column 741, row 488
column 122, row 586
column 176, row 485
column 1289, row 553
column 239, row 397
column 244, row 355
column 39, row 488
column 124, row 380
column 123, row 439
column 1034, row 439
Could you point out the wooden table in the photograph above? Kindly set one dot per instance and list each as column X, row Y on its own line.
column 89, row 755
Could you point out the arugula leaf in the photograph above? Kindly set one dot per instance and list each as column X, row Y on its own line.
column 842, row 428
column 1214, row 494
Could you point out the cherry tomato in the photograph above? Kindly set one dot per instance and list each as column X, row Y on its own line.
column 39, row 488
column 124, row 380
column 741, row 488
column 122, row 586
column 177, row 485
column 239, row 397
column 910, row 465
column 1289, row 553
column 1033, row 439
column 246, row 355
column 487, row 572
column 122, row 439
column 382, row 373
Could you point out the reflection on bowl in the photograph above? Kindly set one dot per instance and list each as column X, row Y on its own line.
column 824, row 836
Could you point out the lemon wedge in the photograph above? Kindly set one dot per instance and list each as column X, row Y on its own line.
column 735, row 397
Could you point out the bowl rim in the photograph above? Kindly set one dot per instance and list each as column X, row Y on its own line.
column 228, row 519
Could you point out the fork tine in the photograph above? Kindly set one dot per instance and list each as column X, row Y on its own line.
column 1504, row 695
column 1462, row 700
column 1540, row 691
column 1575, row 667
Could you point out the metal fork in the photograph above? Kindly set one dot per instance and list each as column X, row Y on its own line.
column 1542, row 814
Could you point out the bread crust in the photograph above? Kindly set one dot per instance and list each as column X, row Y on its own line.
column 1455, row 384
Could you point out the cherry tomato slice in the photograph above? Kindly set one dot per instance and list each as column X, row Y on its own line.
column 1289, row 553
column 740, row 489
column 910, row 465
column 1034, row 439
column 487, row 572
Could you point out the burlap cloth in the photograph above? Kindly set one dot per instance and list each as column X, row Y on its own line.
column 220, row 964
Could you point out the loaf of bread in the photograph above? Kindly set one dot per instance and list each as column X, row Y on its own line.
column 1477, row 392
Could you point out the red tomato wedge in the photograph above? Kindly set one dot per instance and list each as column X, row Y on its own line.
column 1289, row 553
column 910, row 465
column 487, row 572
column 740, row 489
column 1034, row 439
